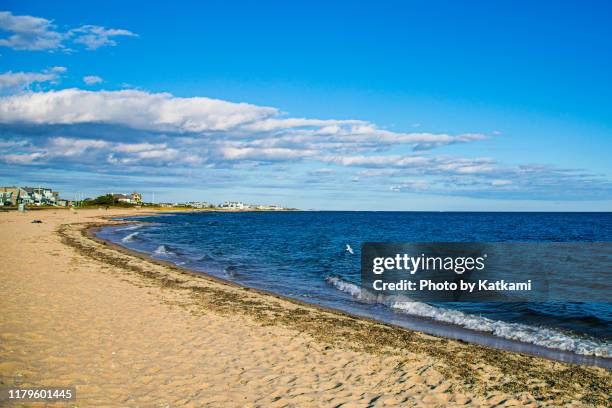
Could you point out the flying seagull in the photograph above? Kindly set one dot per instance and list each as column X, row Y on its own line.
column 349, row 249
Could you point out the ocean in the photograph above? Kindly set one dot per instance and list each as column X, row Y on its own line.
column 302, row 255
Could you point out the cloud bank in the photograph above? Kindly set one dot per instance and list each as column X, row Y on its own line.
column 139, row 132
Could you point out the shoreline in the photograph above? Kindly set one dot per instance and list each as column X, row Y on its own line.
column 91, row 230
column 437, row 329
column 465, row 372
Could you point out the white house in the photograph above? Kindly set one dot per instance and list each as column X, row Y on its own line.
column 235, row 205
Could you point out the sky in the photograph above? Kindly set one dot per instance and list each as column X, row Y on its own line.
column 386, row 105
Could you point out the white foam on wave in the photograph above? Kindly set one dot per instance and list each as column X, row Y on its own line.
column 163, row 250
column 230, row 271
column 364, row 295
column 130, row 227
column 541, row 336
column 129, row 237
column 345, row 286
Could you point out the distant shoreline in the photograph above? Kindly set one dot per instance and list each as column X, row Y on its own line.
column 216, row 209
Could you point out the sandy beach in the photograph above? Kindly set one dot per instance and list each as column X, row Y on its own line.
column 128, row 331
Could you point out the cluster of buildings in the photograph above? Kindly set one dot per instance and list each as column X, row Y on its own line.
column 43, row 196
column 12, row 196
column 239, row 205
column 228, row 205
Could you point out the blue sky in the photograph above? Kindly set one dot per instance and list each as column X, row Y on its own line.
column 351, row 105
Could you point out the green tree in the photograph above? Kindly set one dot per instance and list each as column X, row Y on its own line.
column 107, row 199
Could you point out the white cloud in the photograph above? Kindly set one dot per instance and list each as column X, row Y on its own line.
column 67, row 147
column 23, row 80
column 394, row 165
column 28, row 33
column 130, row 108
column 4, row 144
column 251, row 127
column 410, row 185
column 159, row 156
column 92, row 79
column 320, row 126
column 92, row 151
column 265, row 154
column 378, row 161
column 26, row 159
column 94, row 37
column 468, row 166
column 138, row 147
column 160, row 128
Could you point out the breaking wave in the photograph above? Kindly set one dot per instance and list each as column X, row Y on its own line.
column 364, row 295
column 541, row 336
column 230, row 271
column 130, row 237
column 130, row 227
column 164, row 250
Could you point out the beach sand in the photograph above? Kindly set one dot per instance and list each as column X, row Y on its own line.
column 127, row 331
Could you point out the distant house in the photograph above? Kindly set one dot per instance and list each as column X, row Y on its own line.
column 235, row 205
column 41, row 196
column 9, row 195
column 23, row 197
column 16, row 195
column 6, row 198
column 122, row 198
column 134, row 198
column 198, row 204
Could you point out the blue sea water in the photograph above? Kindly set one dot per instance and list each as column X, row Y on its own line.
column 303, row 255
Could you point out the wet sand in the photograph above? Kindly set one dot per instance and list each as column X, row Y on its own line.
column 129, row 331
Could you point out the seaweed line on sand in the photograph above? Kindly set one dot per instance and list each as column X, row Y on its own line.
column 476, row 368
